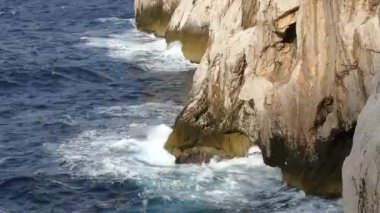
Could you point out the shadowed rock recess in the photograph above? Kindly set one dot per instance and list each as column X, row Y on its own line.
column 290, row 76
column 154, row 15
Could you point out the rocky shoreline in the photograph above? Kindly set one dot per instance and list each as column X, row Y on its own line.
column 289, row 76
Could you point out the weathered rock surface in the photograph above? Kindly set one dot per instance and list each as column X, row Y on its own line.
column 291, row 76
column 361, row 170
column 190, row 25
column 154, row 15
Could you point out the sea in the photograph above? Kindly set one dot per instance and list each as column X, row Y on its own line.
column 86, row 104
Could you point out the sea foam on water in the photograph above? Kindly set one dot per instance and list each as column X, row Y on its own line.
column 146, row 50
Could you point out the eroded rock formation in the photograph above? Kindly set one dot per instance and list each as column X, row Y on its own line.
column 154, row 15
column 190, row 25
column 291, row 76
column 361, row 170
column 176, row 20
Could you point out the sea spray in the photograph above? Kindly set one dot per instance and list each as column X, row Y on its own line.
column 146, row 50
column 152, row 151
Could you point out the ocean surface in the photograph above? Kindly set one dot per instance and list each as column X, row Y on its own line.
column 86, row 104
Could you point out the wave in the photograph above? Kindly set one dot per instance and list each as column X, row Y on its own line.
column 145, row 50
column 132, row 149
column 136, row 153
column 10, row 13
column 95, row 154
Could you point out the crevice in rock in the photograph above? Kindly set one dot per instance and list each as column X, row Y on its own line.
column 324, row 108
column 361, row 192
column 241, row 65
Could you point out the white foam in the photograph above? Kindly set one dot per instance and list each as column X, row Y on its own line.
column 116, row 152
column 114, row 20
column 254, row 150
column 152, row 151
column 97, row 154
column 144, row 50
column 111, row 155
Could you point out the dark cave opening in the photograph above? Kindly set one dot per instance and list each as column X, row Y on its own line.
column 290, row 34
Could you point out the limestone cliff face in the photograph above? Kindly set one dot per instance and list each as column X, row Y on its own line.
column 291, row 76
column 154, row 15
column 190, row 25
column 361, row 170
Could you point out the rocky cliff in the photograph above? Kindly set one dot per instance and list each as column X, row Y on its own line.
column 361, row 170
column 290, row 76
column 154, row 15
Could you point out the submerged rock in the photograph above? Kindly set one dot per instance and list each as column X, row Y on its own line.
column 361, row 170
column 291, row 76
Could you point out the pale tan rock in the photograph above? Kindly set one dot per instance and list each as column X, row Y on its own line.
column 292, row 77
column 361, row 170
column 154, row 15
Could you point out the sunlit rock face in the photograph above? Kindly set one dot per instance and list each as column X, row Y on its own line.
column 154, row 15
column 291, row 76
column 361, row 170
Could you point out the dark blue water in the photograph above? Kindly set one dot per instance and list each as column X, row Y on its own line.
column 86, row 101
